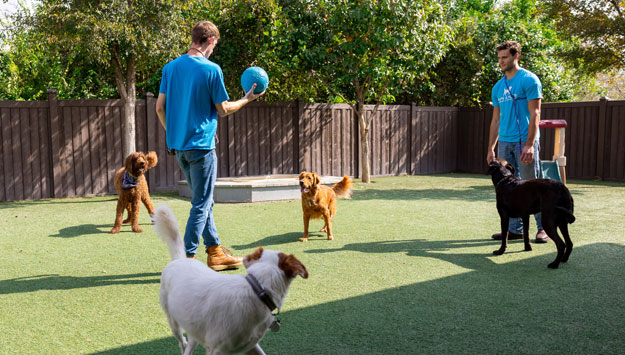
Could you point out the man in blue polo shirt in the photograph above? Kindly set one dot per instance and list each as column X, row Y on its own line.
column 191, row 96
column 516, row 114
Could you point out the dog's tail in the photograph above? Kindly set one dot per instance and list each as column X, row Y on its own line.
column 566, row 205
column 166, row 227
column 343, row 188
column 567, row 214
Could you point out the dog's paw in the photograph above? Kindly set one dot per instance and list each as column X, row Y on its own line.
column 137, row 230
column 330, row 237
column 114, row 231
column 528, row 248
column 499, row 251
column 553, row 265
column 304, row 239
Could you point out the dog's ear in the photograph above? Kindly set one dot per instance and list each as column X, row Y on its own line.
column 493, row 167
column 317, row 179
column 291, row 266
column 255, row 255
column 510, row 167
column 152, row 159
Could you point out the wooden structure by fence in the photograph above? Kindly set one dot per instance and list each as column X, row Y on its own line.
column 65, row 148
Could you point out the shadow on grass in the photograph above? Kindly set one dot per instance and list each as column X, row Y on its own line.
column 86, row 229
column 472, row 193
column 516, row 307
column 431, row 249
column 57, row 282
column 273, row 240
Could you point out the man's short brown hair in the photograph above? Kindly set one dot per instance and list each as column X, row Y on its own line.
column 202, row 31
column 513, row 46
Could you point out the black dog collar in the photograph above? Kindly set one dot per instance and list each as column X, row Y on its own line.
column 259, row 290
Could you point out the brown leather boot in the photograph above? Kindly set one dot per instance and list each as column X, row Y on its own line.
column 220, row 258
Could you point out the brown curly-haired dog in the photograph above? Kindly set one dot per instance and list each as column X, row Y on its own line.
column 132, row 188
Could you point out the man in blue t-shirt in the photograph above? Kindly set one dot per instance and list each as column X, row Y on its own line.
column 516, row 114
column 191, row 96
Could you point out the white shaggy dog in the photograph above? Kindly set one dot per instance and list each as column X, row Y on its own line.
column 224, row 313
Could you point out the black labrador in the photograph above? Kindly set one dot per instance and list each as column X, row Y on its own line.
column 522, row 198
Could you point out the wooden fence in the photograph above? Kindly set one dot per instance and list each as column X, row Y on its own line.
column 65, row 148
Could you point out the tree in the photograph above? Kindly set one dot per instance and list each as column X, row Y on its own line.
column 468, row 71
column 364, row 51
column 29, row 67
column 600, row 28
column 123, row 36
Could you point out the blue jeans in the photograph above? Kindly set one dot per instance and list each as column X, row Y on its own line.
column 512, row 153
column 200, row 169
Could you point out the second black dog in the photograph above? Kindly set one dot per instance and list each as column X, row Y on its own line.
column 522, row 198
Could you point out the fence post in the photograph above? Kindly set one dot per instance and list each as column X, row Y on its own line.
column 297, row 121
column 411, row 120
column 150, row 135
column 601, row 139
column 151, row 142
column 57, row 142
column 357, row 158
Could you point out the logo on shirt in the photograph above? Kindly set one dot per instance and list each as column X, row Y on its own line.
column 507, row 96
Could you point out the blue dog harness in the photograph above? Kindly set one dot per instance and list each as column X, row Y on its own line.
column 129, row 182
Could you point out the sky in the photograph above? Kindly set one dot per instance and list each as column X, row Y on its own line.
column 7, row 7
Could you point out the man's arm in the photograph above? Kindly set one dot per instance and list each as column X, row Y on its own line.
column 527, row 154
column 229, row 107
column 493, row 135
column 160, row 109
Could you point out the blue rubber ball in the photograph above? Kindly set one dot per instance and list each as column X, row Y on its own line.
column 254, row 75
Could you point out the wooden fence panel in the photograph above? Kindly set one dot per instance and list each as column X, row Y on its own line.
column 40, row 154
column 24, row 161
column 616, row 163
column 323, row 140
column 473, row 129
column 16, row 140
column 90, row 146
column 434, row 139
column 389, row 140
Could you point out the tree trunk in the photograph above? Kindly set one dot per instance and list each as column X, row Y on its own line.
column 363, row 124
column 128, row 126
column 127, row 90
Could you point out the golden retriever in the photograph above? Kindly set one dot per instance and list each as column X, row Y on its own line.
column 319, row 201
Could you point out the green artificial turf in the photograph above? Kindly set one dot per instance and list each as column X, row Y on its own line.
column 410, row 271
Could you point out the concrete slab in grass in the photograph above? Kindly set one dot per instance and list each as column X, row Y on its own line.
column 256, row 188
